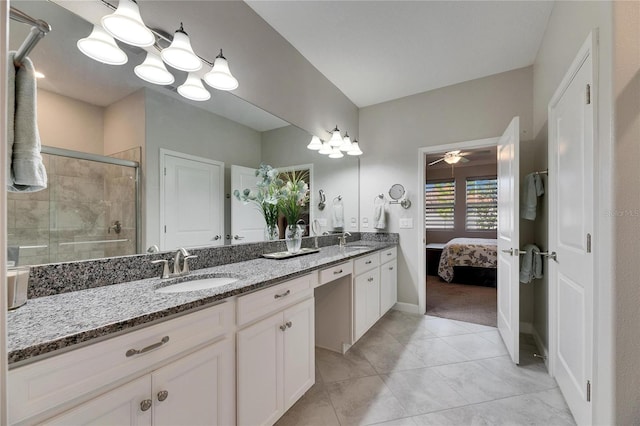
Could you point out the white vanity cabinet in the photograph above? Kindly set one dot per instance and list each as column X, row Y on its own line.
column 388, row 279
column 191, row 357
column 276, row 355
column 366, row 293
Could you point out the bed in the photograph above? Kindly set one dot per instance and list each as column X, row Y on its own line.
column 467, row 252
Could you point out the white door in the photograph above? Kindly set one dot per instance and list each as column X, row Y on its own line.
column 191, row 201
column 299, row 351
column 247, row 223
column 509, row 238
column 127, row 405
column 571, row 224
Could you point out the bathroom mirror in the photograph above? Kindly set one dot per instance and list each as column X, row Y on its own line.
column 92, row 108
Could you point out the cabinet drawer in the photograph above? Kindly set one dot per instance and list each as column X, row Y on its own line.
column 84, row 372
column 335, row 272
column 271, row 299
column 388, row 254
column 366, row 263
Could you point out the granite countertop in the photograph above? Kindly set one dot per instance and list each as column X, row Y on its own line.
column 46, row 325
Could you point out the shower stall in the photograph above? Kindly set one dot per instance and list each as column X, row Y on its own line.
column 89, row 210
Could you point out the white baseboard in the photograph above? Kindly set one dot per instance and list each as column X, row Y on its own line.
column 526, row 328
column 407, row 307
column 541, row 347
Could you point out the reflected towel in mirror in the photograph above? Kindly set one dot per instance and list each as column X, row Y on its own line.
column 338, row 214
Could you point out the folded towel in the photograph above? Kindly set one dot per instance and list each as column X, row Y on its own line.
column 338, row 215
column 26, row 173
column 379, row 216
column 531, row 266
column 532, row 188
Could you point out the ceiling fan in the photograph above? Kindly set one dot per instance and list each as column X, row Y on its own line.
column 452, row 157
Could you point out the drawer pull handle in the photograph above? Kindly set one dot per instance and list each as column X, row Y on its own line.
column 162, row 395
column 391, row 268
column 286, row 325
column 145, row 404
column 132, row 352
column 388, row 254
column 368, row 262
column 283, row 327
column 278, row 296
column 370, row 279
column 337, row 272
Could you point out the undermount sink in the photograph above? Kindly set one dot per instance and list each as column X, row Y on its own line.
column 355, row 247
column 194, row 285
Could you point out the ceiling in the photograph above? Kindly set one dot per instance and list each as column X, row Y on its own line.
column 376, row 51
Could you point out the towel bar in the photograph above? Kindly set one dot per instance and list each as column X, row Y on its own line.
column 39, row 29
column 553, row 255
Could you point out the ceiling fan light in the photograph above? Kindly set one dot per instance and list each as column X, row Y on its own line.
column 452, row 159
column 126, row 25
column 180, row 54
column 336, row 153
column 101, row 47
column 346, row 143
column 326, row 149
column 220, row 76
column 315, row 144
column 154, row 71
column 355, row 148
column 336, row 138
column 193, row 89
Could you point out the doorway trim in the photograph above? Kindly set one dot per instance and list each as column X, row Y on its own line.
column 463, row 145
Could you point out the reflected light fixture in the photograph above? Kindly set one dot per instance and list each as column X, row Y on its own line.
column 336, row 138
column 193, row 89
column 336, row 153
column 452, row 157
column 326, row 149
column 315, row 143
column 38, row 74
column 153, row 70
column 346, row 143
column 355, row 148
column 220, row 76
column 180, row 54
column 126, row 25
column 101, row 47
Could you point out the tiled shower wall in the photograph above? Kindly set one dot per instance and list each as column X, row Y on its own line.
column 66, row 221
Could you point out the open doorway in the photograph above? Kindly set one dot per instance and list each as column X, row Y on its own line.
column 461, row 214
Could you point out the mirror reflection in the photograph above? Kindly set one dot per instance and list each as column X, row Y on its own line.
column 188, row 154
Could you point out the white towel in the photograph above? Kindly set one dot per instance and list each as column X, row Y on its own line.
column 26, row 173
column 532, row 188
column 338, row 215
column 531, row 266
column 379, row 216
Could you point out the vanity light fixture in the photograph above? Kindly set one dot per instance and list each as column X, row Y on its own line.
column 336, row 153
column 126, row 25
column 355, row 148
column 154, row 71
column 101, row 47
column 220, row 76
column 336, row 138
column 193, row 89
column 346, row 143
column 315, row 144
column 179, row 54
column 326, row 149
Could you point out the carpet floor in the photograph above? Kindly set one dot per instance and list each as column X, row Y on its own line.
column 469, row 303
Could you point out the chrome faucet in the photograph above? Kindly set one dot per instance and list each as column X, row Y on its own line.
column 177, row 271
column 342, row 240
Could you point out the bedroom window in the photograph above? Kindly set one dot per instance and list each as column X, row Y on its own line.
column 482, row 204
column 439, row 204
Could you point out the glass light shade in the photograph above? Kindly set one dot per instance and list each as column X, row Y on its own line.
column 193, row 89
column 452, row 159
column 220, row 77
column 154, row 71
column 101, row 47
column 346, row 143
column 315, row 144
column 180, row 55
column 355, row 148
column 326, row 149
column 126, row 25
column 336, row 153
column 336, row 138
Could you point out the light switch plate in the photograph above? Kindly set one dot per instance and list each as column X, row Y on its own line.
column 406, row 223
column 365, row 222
column 354, row 222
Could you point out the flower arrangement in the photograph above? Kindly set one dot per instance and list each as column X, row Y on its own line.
column 267, row 197
column 294, row 196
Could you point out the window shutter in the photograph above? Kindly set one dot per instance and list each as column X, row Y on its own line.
column 439, row 204
column 482, row 204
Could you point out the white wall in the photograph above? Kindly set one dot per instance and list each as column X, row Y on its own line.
column 175, row 125
column 287, row 146
column 391, row 134
column 626, row 77
column 569, row 24
column 67, row 123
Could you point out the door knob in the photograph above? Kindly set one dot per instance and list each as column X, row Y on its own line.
column 162, row 395
column 510, row 251
column 216, row 238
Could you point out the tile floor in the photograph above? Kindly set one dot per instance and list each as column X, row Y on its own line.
column 423, row 370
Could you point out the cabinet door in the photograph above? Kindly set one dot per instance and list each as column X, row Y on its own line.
column 372, row 312
column 388, row 286
column 366, row 303
column 121, row 406
column 260, row 397
column 197, row 389
column 299, row 351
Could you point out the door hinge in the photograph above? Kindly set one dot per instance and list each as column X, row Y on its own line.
column 588, row 390
column 165, row 229
column 588, row 94
column 588, row 243
column 165, row 171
